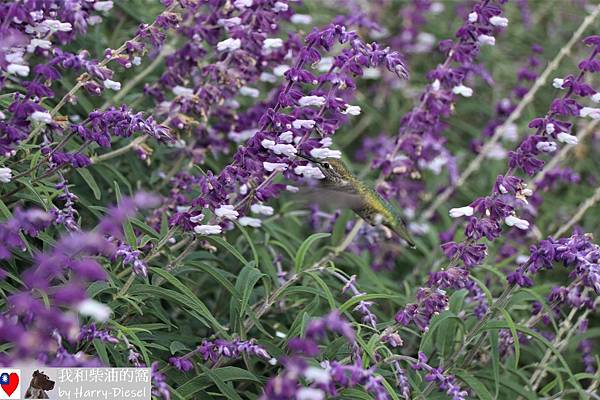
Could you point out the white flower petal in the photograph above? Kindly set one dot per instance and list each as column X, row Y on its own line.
column 325, row 153
column 499, row 21
column 91, row 308
column 285, row 149
column 269, row 166
column 547, row 147
column 463, row 90
column 301, row 19
column 103, row 5
column 208, row 229
column 466, row 211
column 558, row 83
column 272, row 43
column 352, row 110
column 5, row 175
column 303, row 123
column 566, row 138
column 249, row 221
column 183, row 91
column 522, row 224
column 267, row 144
column 486, row 40
column 249, row 91
column 113, row 85
column 309, row 171
column 229, row 44
column 306, row 101
column 41, row 117
column 226, row 211
column 591, row 112
column 309, row 393
column 287, row 136
column 261, row 209
column 17, row 69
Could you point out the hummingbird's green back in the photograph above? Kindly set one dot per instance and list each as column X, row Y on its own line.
column 369, row 204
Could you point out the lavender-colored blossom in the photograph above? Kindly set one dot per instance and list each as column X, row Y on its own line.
column 214, row 349
column 91, row 332
column 61, row 274
column 445, row 383
column 182, row 364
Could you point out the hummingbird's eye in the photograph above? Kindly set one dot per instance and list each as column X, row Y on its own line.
column 326, row 165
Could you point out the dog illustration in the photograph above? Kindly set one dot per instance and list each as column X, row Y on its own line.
column 38, row 386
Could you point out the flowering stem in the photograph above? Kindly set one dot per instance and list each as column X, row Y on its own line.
column 121, row 150
column 83, row 79
column 528, row 98
column 563, row 153
column 138, row 77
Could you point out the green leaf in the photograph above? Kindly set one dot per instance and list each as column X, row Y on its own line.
column 91, row 182
column 223, row 243
column 426, row 345
column 249, row 240
column 190, row 299
column 202, row 381
column 244, row 286
column 226, row 388
column 365, row 297
column 301, row 254
column 513, row 331
column 323, row 285
column 177, row 346
column 217, row 274
column 516, row 387
column 495, row 358
column 475, row 384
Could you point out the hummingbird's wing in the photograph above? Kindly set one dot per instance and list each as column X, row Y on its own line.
column 329, row 198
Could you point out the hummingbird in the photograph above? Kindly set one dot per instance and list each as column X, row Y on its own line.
column 365, row 201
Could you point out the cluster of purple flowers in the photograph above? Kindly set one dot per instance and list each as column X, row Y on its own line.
column 446, row 383
column 286, row 129
column 577, row 253
column 420, row 144
column 60, row 274
column 486, row 215
column 509, row 192
column 243, row 95
column 526, row 74
column 215, row 350
column 327, row 378
column 36, row 28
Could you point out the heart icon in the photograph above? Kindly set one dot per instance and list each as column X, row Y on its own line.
column 11, row 386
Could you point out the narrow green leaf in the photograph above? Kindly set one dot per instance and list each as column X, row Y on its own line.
column 513, row 331
column 475, row 384
column 301, row 254
column 244, row 286
column 226, row 388
column 427, row 338
column 250, row 243
column 495, row 358
column 217, row 274
column 192, row 300
column 326, row 290
column 223, row 243
column 91, row 182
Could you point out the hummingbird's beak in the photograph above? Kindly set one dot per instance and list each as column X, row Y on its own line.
column 309, row 158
